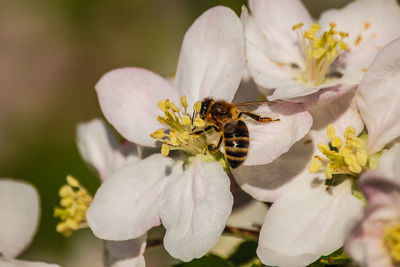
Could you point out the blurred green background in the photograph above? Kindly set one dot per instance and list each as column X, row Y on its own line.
column 52, row 52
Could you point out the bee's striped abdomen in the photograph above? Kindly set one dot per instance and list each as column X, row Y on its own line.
column 236, row 145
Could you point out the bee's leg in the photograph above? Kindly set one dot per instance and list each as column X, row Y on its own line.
column 206, row 129
column 214, row 148
column 258, row 118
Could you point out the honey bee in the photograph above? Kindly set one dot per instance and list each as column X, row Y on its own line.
column 226, row 119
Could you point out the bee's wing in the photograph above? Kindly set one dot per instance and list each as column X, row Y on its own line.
column 252, row 106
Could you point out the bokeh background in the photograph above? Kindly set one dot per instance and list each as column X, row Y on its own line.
column 52, row 52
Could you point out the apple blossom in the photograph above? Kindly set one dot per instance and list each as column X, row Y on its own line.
column 188, row 192
column 289, row 52
column 317, row 191
column 19, row 213
column 100, row 149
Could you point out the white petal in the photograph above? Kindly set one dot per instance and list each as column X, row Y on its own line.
column 388, row 162
column 260, row 62
column 269, row 182
column 308, row 222
column 128, row 98
column 342, row 112
column 269, row 16
column 19, row 213
column 211, row 62
column 379, row 15
column 98, row 147
column 127, row 253
column 195, row 207
column 4, row 262
column 268, row 141
column 378, row 97
column 125, row 206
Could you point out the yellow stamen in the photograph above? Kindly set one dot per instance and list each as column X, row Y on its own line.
column 392, row 242
column 197, row 106
column 74, row 203
column 72, row 181
column 184, row 132
column 186, row 120
column 297, row 26
column 198, row 122
column 348, row 157
column 165, row 149
column 320, row 51
column 315, row 165
column 158, row 134
column 184, row 102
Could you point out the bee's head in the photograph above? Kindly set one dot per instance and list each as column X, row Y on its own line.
column 204, row 106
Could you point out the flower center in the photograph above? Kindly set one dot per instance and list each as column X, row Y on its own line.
column 75, row 201
column 319, row 51
column 392, row 242
column 186, row 133
column 181, row 126
column 347, row 157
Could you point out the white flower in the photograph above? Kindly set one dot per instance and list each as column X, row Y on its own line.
column 19, row 213
column 285, row 51
column 190, row 195
column 305, row 210
column 99, row 148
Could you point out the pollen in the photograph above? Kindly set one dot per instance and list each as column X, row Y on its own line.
column 74, row 202
column 183, row 131
column 341, row 156
column 392, row 242
column 319, row 50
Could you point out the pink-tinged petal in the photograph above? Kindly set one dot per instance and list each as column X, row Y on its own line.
column 19, row 213
column 270, row 140
column 370, row 26
column 128, row 98
column 308, row 222
column 294, row 89
column 5, row 262
column 378, row 189
column 127, row 253
column 378, row 98
column 342, row 112
column 367, row 251
column 269, row 14
column 98, row 147
column 261, row 66
column 211, row 62
column 269, row 182
column 365, row 242
column 125, row 206
column 323, row 96
column 195, row 206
